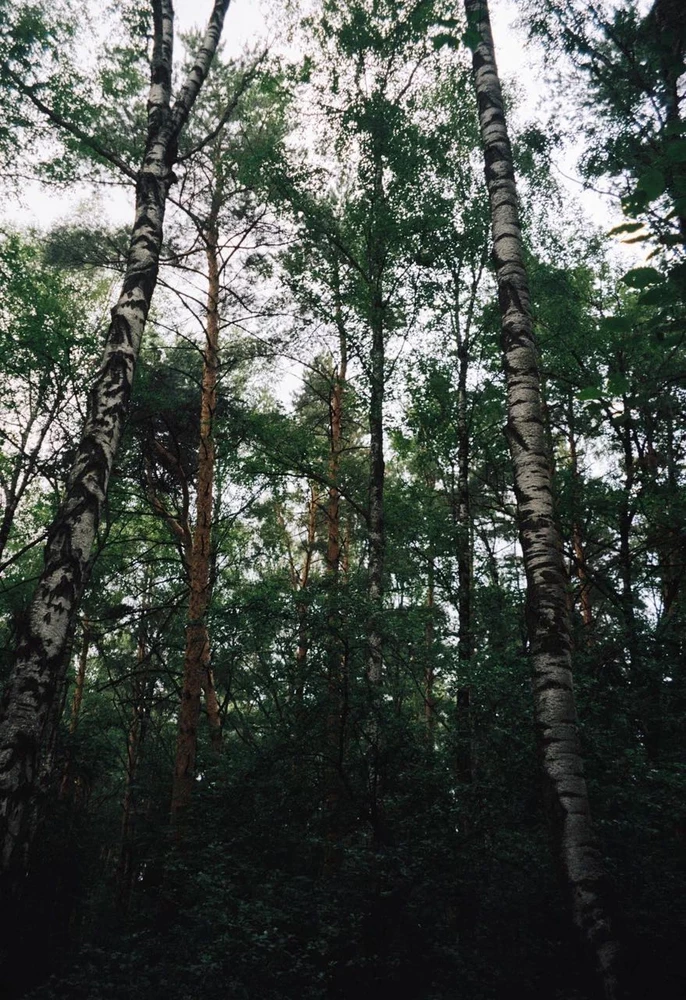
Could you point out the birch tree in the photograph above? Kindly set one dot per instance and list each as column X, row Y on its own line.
column 547, row 612
column 32, row 698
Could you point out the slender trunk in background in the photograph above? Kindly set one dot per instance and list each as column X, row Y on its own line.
column 670, row 23
column 303, row 580
column 547, row 616
column 377, row 539
column 429, row 671
column 377, row 551
column 30, row 714
column 577, row 537
column 336, row 660
column 141, row 695
column 76, row 702
column 464, row 525
column 463, row 762
column 626, row 559
column 670, row 548
column 197, row 671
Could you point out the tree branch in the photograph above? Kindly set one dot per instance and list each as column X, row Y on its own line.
column 243, row 86
column 198, row 72
column 73, row 129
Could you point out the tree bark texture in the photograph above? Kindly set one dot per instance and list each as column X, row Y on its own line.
column 197, row 671
column 548, row 620
column 29, row 717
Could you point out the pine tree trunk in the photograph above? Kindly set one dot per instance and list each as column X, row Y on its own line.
column 196, row 669
column 30, row 705
column 548, row 621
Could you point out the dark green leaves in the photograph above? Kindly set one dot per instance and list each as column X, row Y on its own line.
column 652, row 183
column 472, row 38
column 642, row 277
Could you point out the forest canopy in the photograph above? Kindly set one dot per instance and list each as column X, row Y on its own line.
column 343, row 524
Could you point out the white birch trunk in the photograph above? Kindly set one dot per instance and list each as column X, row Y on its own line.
column 29, row 718
column 548, row 621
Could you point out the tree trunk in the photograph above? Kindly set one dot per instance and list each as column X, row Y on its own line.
column 377, row 540
column 464, row 549
column 547, row 619
column 336, row 658
column 577, row 538
column 429, row 671
column 626, row 559
column 29, row 717
column 196, row 668
column 140, row 713
column 301, row 583
column 76, row 702
column 670, row 23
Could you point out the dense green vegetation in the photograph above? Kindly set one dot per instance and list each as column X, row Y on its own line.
column 295, row 753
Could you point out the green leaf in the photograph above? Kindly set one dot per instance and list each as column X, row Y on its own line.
column 439, row 41
column 641, row 277
column 676, row 151
column 618, row 384
column 591, row 392
column 653, row 297
column 472, row 38
column 617, row 324
column 652, row 183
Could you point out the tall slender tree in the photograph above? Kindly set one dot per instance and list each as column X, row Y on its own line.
column 31, row 702
column 548, row 624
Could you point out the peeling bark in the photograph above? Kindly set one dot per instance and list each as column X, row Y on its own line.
column 548, row 620
column 30, row 704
